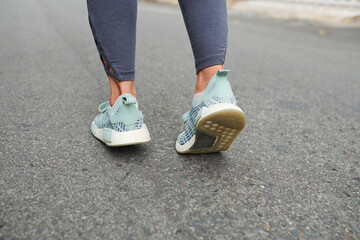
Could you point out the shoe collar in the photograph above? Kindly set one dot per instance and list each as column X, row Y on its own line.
column 221, row 74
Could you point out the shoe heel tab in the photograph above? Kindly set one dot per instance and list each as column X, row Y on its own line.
column 222, row 73
column 123, row 101
column 128, row 99
column 221, row 87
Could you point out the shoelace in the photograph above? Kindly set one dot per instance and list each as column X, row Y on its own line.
column 104, row 106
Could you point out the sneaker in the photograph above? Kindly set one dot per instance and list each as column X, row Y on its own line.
column 121, row 124
column 213, row 121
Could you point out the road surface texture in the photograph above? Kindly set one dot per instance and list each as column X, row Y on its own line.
column 294, row 172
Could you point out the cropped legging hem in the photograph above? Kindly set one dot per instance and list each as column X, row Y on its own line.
column 209, row 61
column 110, row 69
column 121, row 76
column 113, row 24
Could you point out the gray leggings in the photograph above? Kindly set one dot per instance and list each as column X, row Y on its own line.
column 113, row 24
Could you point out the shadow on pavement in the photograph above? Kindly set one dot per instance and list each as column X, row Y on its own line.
column 128, row 154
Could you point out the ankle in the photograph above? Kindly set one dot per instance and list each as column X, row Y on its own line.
column 119, row 88
column 204, row 76
column 127, row 87
column 114, row 90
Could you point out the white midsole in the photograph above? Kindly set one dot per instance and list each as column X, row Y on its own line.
column 205, row 112
column 183, row 148
column 122, row 138
column 219, row 107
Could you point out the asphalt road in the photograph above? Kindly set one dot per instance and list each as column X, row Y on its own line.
column 294, row 172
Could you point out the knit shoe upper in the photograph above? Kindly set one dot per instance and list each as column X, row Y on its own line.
column 214, row 120
column 123, row 116
column 218, row 91
column 122, row 124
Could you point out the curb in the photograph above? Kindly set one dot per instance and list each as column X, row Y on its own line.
column 167, row 2
column 333, row 15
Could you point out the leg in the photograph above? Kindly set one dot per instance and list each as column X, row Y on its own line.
column 214, row 120
column 113, row 24
column 118, row 88
column 206, row 23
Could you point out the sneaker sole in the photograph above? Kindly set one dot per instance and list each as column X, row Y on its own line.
column 216, row 130
column 113, row 138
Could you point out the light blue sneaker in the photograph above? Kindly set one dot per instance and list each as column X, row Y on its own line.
column 122, row 124
column 213, row 121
